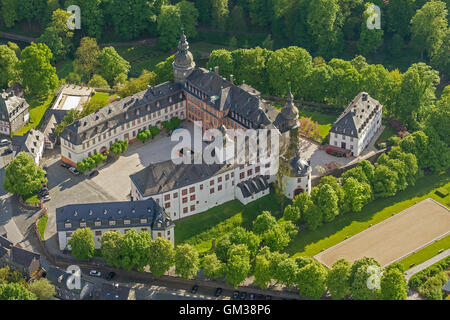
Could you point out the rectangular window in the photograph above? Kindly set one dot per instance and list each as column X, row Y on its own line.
column 201, row 187
column 167, row 197
column 167, row 205
column 257, row 170
column 219, row 188
column 192, row 198
column 227, row 177
column 185, row 199
column 98, row 233
column 144, row 229
column 211, row 191
column 175, row 195
column 185, row 210
column 219, row 180
column 192, row 189
column 211, row 183
column 68, row 234
column 242, row 175
column 192, row 208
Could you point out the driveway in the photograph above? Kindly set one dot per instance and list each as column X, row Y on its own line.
column 319, row 158
column 113, row 182
column 114, row 178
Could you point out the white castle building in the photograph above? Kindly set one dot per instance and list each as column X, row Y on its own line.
column 357, row 125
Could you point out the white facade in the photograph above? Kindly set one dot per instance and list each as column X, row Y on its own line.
column 199, row 197
column 295, row 185
column 357, row 125
column 127, row 131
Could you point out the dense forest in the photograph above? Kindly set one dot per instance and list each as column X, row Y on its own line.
column 326, row 28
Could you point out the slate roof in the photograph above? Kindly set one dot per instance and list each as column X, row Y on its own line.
column 3, row 251
column 113, row 115
column 23, row 257
column 30, row 142
column 300, row 167
column 166, row 176
column 254, row 185
column 3, row 231
column 361, row 110
column 242, row 101
column 5, row 243
column 118, row 211
column 446, row 286
column 11, row 106
column 59, row 278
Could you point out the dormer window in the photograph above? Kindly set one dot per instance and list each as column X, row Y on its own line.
column 68, row 225
column 98, row 223
column 170, row 99
column 157, row 104
column 83, row 224
column 148, row 108
column 126, row 115
column 112, row 222
column 143, row 220
column 127, row 221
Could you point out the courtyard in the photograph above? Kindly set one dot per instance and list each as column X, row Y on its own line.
column 395, row 237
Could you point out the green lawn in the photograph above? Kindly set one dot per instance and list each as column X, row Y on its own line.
column 426, row 253
column 31, row 199
column 140, row 58
column 199, row 229
column 309, row 243
column 387, row 133
column 37, row 111
column 41, row 225
column 325, row 120
column 101, row 97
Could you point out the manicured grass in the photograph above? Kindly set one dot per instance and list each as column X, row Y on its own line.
column 426, row 253
column 32, row 199
column 325, row 120
column 37, row 111
column 101, row 97
column 140, row 58
column 309, row 242
column 387, row 133
column 41, row 225
column 201, row 228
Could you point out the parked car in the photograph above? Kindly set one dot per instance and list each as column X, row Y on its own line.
column 110, row 275
column 93, row 174
column 251, row 296
column 235, row 295
column 95, row 273
column 194, row 289
column 74, row 171
column 47, row 198
column 243, row 295
column 5, row 142
column 218, row 292
column 65, row 165
column 7, row 151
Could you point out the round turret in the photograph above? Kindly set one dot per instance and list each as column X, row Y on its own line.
column 183, row 63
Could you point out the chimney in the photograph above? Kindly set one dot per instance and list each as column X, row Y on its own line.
column 231, row 78
column 216, row 69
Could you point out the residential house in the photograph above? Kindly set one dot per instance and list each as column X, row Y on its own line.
column 357, row 125
column 145, row 216
column 32, row 143
column 14, row 112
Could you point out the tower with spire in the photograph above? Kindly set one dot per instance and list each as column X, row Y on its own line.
column 183, row 63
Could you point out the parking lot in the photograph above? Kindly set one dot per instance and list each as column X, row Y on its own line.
column 111, row 184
